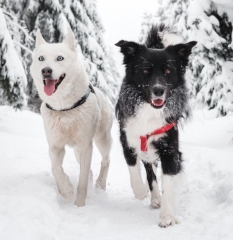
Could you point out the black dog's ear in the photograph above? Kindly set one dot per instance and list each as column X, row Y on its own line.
column 128, row 49
column 183, row 50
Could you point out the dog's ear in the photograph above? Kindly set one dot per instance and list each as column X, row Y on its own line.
column 183, row 50
column 39, row 39
column 129, row 49
column 70, row 40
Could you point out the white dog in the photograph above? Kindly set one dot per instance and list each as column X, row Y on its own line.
column 74, row 113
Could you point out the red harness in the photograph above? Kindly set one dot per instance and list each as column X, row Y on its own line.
column 156, row 132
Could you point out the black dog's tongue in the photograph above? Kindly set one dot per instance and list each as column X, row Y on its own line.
column 49, row 86
column 158, row 102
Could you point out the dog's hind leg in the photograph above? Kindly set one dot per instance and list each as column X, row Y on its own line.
column 153, row 185
column 85, row 164
column 65, row 188
column 104, row 145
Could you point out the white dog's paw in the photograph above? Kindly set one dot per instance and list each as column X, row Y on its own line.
column 66, row 190
column 140, row 192
column 80, row 201
column 155, row 203
column 168, row 221
column 100, row 184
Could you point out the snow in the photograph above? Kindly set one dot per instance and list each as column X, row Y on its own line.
column 214, row 20
column 31, row 208
column 122, row 21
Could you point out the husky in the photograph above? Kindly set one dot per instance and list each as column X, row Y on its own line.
column 152, row 101
column 74, row 113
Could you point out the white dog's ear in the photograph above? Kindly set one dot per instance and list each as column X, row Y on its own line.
column 70, row 40
column 39, row 39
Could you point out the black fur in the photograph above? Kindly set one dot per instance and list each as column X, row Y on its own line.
column 130, row 155
column 147, row 66
column 150, row 174
column 153, row 39
column 168, row 150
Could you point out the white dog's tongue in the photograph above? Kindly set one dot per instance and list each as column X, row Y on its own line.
column 49, row 86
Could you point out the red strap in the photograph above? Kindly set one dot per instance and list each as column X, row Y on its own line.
column 156, row 132
column 143, row 143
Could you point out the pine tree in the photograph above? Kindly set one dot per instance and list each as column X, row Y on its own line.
column 12, row 76
column 210, row 69
column 53, row 18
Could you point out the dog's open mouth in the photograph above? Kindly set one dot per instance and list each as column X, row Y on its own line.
column 158, row 102
column 51, row 85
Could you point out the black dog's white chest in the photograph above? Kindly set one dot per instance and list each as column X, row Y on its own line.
column 145, row 121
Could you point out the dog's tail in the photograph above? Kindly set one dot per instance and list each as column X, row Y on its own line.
column 161, row 36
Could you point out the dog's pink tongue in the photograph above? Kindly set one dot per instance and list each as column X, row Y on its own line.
column 49, row 86
column 158, row 102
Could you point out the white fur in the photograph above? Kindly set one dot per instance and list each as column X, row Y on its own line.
column 139, row 188
column 155, row 195
column 77, row 127
column 145, row 121
column 167, row 202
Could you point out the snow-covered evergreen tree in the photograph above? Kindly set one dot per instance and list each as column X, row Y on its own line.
column 12, row 75
column 53, row 18
column 210, row 70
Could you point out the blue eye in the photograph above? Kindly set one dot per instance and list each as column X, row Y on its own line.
column 60, row 58
column 41, row 58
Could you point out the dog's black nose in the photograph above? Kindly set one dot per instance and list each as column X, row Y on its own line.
column 46, row 71
column 158, row 91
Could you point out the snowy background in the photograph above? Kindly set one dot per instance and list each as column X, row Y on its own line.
column 30, row 206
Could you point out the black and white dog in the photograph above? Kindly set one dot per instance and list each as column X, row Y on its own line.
column 152, row 101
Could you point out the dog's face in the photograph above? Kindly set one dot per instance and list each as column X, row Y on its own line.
column 53, row 64
column 156, row 72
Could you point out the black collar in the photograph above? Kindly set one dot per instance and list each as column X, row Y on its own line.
column 78, row 103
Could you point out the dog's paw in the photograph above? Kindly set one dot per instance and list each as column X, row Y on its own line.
column 140, row 192
column 155, row 203
column 80, row 202
column 168, row 221
column 66, row 190
column 100, row 184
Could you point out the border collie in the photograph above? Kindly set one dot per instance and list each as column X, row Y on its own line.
column 152, row 101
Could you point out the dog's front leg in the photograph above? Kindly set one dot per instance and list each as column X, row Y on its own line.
column 139, row 188
column 167, row 216
column 171, row 167
column 65, row 188
column 85, row 164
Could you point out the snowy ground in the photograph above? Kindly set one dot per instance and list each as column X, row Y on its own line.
column 31, row 208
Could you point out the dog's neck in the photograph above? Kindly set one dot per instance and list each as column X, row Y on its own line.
column 81, row 101
column 70, row 93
